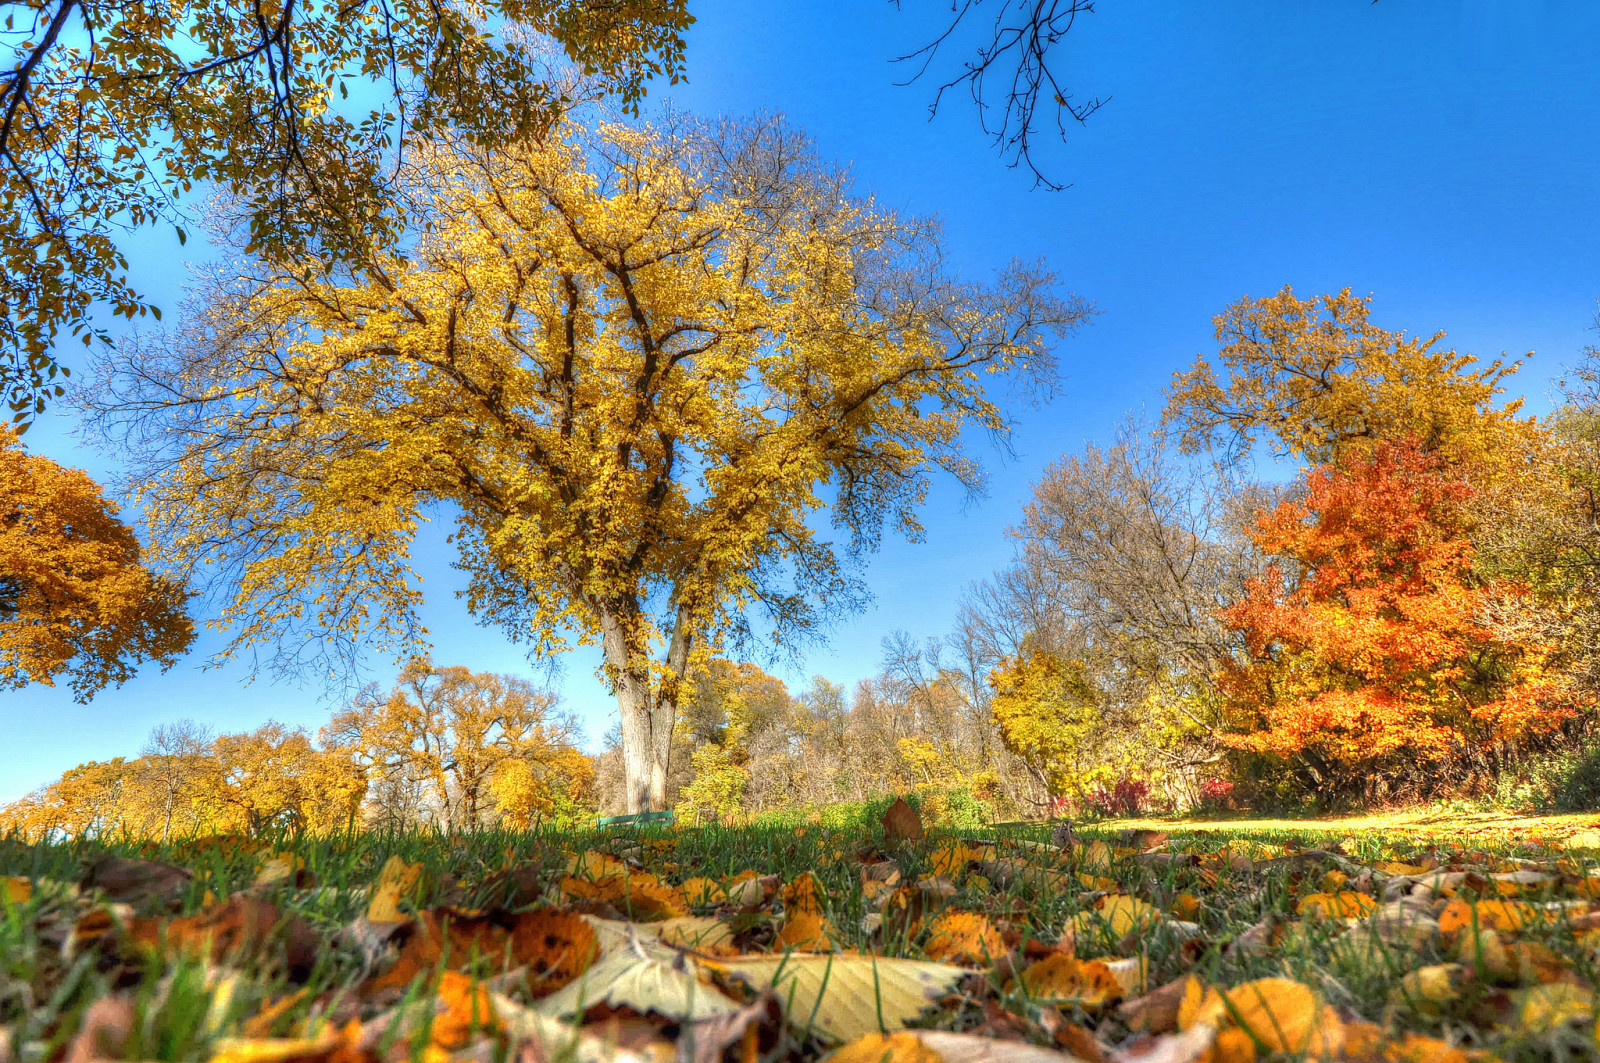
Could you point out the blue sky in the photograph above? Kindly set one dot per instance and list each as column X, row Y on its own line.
column 1442, row 156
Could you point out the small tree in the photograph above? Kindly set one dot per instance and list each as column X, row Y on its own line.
column 1369, row 657
column 75, row 599
column 1049, row 715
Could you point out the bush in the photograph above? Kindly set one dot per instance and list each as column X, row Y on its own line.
column 1216, row 794
column 1579, row 788
column 1126, row 798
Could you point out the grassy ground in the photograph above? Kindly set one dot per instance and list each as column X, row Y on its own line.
column 1415, row 823
column 1388, row 939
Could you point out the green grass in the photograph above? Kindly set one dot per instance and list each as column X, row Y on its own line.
column 181, row 1010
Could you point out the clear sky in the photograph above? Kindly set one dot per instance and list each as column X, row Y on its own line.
column 1442, row 156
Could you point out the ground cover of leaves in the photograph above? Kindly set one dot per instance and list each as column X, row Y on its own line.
column 888, row 943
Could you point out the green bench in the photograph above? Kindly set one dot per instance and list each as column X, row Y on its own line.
column 638, row 819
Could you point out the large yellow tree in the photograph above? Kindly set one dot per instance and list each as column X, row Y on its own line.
column 631, row 364
column 76, row 599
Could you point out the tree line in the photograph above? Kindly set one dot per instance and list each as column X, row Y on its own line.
column 445, row 748
column 1412, row 614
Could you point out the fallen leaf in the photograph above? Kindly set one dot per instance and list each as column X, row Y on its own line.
column 396, row 881
column 138, row 882
column 843, row 997
column 964, row 938
column 1064, row 978
column 901, row 823
column 1546, row 1008
column 645, row 976
column 1342, row 905
column 1427, row 988
column 464, row 1010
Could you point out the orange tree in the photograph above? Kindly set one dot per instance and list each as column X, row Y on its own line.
column 75, row 599
column 1369, row 663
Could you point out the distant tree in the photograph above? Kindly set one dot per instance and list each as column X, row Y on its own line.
column 1370, row 663
column 1049, row 716
column 75, row 598
column 111, row 115
column 633, row 361
column 171, row 767
column 460, row 730
column 261, row 779
column 1127, row 553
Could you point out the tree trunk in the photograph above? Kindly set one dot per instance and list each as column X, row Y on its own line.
column 644, row 752
column 648, row 714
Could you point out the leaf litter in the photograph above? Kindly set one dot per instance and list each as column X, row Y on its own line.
column 895, row 944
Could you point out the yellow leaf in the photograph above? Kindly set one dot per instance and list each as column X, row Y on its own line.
column 395, row 881
column 645, row 976
column 841, row 998
column 1062, row 977
column 280, row 867
column 1342, row 905
column 15, row 890
column 464, row 1010
column 1487, row 915
column 1283, row 1015
column 964, row 938
column 1545, row 1008
column 703, row 891
column 903, row 1047
column 1426, row 988
column 1120, row 913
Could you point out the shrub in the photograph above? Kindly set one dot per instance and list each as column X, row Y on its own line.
column 1126, row 798
column 1216, row 794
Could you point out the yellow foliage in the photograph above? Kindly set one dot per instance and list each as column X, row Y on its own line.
column 75, row 597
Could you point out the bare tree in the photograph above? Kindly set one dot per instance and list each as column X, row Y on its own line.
column 170, row 764
column 1014, row 75
column 1126, row 554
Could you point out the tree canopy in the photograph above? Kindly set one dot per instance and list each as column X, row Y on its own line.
column 630, row 362
column 76, row 599
column 1316, row 376
column 114, row 112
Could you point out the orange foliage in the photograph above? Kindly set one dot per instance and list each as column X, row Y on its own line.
column 1366, row 648
column 74, row 598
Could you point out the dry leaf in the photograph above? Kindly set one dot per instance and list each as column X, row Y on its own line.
column 964, row 938
column 645, row 976
column 396, row 881
column 901, row 823
column 842, row 997
column 1342, row 905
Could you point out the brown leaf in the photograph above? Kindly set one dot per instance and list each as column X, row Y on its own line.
column 241, row 929
column 902, row 824
column 1157, row 1010
column 755, row 1028
column 105, row 1030
column 138, row 882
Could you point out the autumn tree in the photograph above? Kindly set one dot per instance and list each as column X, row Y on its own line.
column 631, row 363
column 1370, row 663
column 76, row 599
column 1125, row 555
column 112, row 114
column 1049, row 716
column 171, row 769
column 1316, row 377
column 734, row 713
column 472, row 735
column 259, row 779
